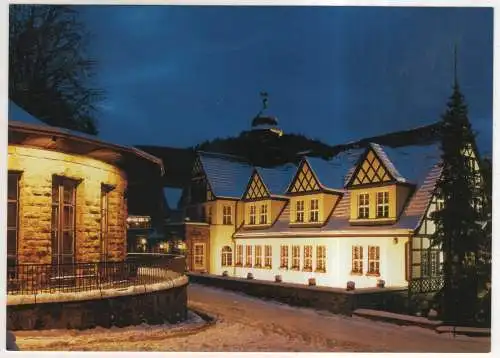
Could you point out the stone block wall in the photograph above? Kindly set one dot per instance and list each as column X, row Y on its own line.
column 37, row 167
column 157, row 307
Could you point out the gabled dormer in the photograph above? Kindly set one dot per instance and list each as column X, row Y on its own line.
column 378, row 191
column 264, row 197
column 199, row 190
column 311, row 202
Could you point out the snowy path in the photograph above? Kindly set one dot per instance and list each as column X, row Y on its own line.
column 250, row 324
column 256, row 324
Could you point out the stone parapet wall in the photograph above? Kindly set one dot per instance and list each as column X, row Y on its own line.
column 335, row 300
column 152, row 304
column 37, row 167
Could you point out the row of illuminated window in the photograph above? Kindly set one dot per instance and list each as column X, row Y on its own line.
column 296, row 258
column 139, row 222
column 382, row 205
column 63, row 222
column 358, row 260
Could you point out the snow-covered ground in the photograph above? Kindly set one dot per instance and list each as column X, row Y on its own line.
column 250, row 324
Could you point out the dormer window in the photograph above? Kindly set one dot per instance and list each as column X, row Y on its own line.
column 263, row 214
column 252, row 215
column 314, row 213
column 299, row 211
column 363, row 206
column 383, row 204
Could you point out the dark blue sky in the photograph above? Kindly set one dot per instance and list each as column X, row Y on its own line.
column 179, row 75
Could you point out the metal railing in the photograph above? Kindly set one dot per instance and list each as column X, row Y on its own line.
column 24, row 279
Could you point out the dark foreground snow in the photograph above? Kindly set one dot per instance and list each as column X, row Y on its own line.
column 250, row 324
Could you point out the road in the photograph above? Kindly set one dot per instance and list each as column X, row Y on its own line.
column 250, row 324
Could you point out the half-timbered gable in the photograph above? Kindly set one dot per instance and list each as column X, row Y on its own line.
column 265, row 194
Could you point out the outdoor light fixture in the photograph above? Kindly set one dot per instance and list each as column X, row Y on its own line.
column 143, row 241
column 395, row 240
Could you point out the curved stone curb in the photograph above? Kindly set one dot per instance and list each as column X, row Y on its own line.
column 467, row 331
column 95, row 294
column 423, row 322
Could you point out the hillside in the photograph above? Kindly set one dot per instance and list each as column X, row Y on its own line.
column 267, row 150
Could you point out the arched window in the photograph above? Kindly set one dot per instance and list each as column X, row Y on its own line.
column 227, row 256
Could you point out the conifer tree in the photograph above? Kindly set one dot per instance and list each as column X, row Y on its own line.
column 458, row 229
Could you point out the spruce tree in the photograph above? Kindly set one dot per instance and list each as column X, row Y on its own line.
column 458, row 229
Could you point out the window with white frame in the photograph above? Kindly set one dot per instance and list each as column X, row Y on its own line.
column 249, row 258
column 295, row 257
column 308, row 252
column 263, row 214
column 284, row 256
column 227, row 217
column 373, row 260
column 363, row 206
column 252, row 215
column 227, row 256
column 314, row 212
column 239, row 255
column 299, row 211
column 357, row 260
column 268, row 256
column 383, row 204
column 321, row 258
column 258, row 256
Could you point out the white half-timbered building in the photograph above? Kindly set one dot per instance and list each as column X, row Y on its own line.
column 363, row 216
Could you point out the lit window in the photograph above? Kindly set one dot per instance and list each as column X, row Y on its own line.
column 295, row 257
column 308, row 249
column 431, row 265
column 105, row 191
column 249, row 260
column 63, row 224
column 314, row 214
column 227, row 217
column 357, row 259
column 383, row 204
column 12, row 217
column 199, row 256
column 258, row 256
column 263, row 214
column 227, row 256
column 268, row 256
column 239, row 255
column 284, row 256
column 321, row 258
column 299, row 211
column 363, row 206
column 252, row 215
column 373, row 260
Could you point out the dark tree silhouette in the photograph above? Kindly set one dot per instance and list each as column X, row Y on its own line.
column 50, row 74
column 458, row 228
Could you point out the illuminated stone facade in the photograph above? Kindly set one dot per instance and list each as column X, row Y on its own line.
column 37, row 171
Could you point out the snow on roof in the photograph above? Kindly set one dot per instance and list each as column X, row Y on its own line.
column 332, row 173
column 227, row 175
column 172, row 196
column 277, row 179
column 16, row 113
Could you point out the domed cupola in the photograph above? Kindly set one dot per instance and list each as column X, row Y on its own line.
column 264, row 122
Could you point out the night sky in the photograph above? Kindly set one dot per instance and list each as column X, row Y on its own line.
column 179, row 75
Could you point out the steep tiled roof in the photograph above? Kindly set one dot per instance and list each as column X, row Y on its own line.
column 277, row 179
column 416, row 164
column 331, row 173
column 227, row 175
